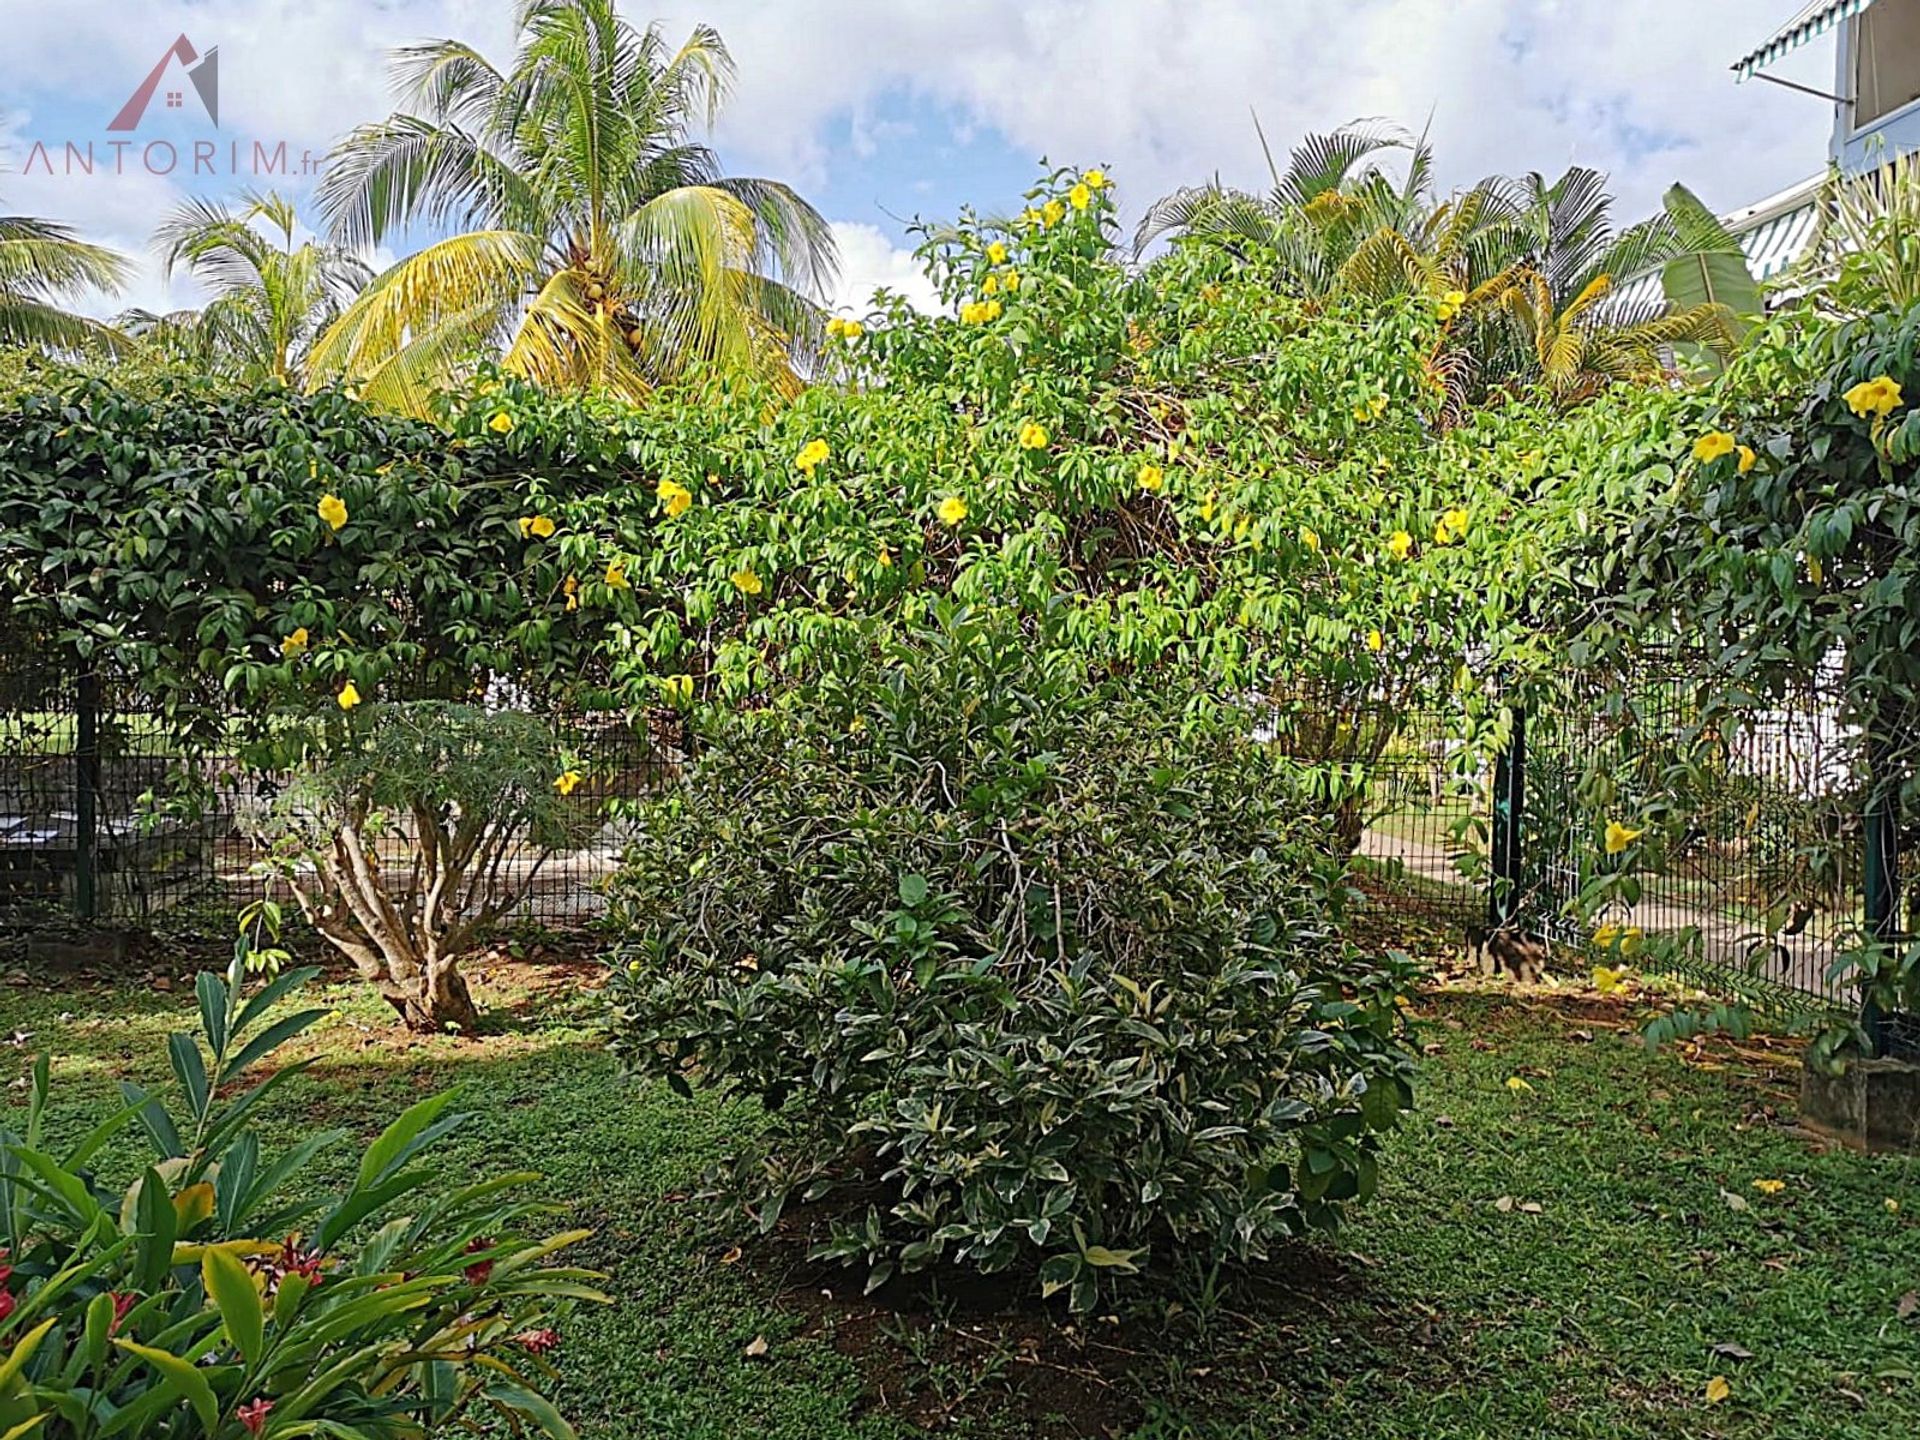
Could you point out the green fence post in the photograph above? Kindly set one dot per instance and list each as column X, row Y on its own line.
column 86, row 794
column 1882, row 887
column 1509, row 810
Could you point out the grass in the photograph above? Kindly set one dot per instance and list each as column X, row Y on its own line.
column 1559, row 1258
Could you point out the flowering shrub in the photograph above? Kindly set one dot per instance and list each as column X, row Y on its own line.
column 1767, row 524
column 1035, row 969
column 220, row 1296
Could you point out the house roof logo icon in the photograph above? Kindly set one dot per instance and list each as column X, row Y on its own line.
column 202, row 70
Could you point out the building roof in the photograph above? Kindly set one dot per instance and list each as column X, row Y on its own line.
column 1810, row 23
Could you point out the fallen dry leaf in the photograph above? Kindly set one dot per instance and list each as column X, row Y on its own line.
column 1907, row 1304
column 756, row 1348
column 1736, row 1203
column 1727, row 1350
column 1718, row 1389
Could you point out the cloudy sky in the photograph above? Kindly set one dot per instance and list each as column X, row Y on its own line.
column 884, row 110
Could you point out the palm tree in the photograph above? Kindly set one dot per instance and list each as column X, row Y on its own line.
column 599, row 247
column 1535, row 265
column 42, row 265
column 1326, row 220
column 1541, row 287
column 271, row 297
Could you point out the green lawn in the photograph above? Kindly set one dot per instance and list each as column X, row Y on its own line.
column 1553, row 1261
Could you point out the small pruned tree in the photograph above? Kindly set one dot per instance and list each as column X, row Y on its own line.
column 409, row 828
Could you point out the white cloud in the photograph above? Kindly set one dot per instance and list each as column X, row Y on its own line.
column 1161, row 90
column 869, row 261
column 1164, row 89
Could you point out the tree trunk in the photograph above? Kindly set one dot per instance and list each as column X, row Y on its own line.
column 434, row 1001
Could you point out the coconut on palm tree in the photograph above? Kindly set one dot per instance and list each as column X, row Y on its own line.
column 44, row 267
column 271, row 297
column 596, row 243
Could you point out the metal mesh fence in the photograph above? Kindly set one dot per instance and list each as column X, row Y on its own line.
column 1758, row 872
column 107, row 816
column 1408, row 794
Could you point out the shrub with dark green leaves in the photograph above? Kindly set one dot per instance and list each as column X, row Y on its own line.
column 1035, row 969
column 222, row 1294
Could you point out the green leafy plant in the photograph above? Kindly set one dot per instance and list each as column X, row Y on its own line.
column 223, row 1293
column 1034, row 966
column 405, row 830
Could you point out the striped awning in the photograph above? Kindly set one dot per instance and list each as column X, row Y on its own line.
column 1812, row 22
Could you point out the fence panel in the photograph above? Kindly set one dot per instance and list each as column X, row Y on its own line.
column 106, row 817
column 1759, row 874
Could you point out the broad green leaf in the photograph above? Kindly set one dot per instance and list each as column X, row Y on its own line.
column 231, row 1287
column 182, row 1378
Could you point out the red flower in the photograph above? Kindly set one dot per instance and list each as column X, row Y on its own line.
column 254, row 1416
column 6, row 1304
column 307, row 1264
column 537, row 1342
column 121, row 1305
column 480, row 1271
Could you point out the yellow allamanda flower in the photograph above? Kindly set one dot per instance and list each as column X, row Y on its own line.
column 996, row 253
column 567, row 781
column 538, row 525
column 1747, row 458
column 990, row 285
column 1033, row 436
column 676, row 497
column 885, row 557
column 813, row 453
column 617, row 575
column 1310, row 538
column 1096, row 179
column 1712, row 445
column 1010, row 281
column 747, row 582
column 1456, row 521
column 1376, row 642
column 501, row 423
column 1151, row 477
column 1878, row 397
column 836, row 325
column 349, row 696
column 572, row 591
column 952, row 510
column 1080, row 196
column 1620, row 836
column 1052, row 213
column 294, row 643
column 333, row 510
column 1400, row 544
